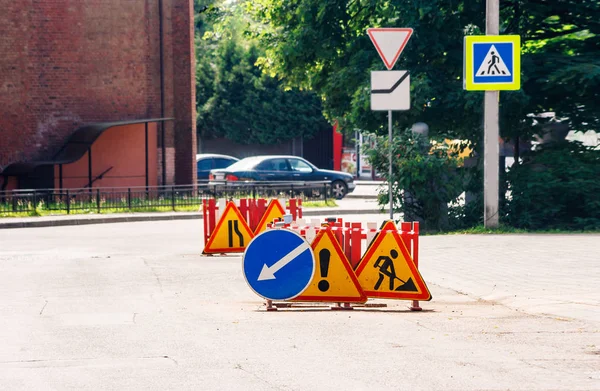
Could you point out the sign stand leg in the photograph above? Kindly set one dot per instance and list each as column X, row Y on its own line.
column 390, row 162
column 270, row 306
column 341, row 306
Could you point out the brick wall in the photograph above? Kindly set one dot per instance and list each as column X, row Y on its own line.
column 64, row 63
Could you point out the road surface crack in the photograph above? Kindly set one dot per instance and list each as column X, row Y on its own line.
column 155, row 274
column 44, row 307
column 239, row 366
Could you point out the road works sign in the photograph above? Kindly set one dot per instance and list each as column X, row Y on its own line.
column 389, row 43
column 492, row 62
column 274, row 210
column 387, row 269
column 278, row 264
column 334, row 279
column 232, row 233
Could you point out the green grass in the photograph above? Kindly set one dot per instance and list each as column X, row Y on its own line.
column 137, row 206
column 504, row 229
column 319, row 204
column 42, row 212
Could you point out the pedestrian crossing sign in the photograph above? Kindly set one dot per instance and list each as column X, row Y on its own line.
column 492, row 62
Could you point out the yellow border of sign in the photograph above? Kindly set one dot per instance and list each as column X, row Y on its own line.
column 468, row 66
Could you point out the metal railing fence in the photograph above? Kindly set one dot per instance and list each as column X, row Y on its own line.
column 179, row 197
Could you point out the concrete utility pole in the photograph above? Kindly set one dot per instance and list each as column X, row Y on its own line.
column 491, row 131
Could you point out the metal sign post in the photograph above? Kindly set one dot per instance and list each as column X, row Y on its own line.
column 390, row 157
column 389, row 91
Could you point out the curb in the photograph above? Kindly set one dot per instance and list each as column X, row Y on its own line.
column 60, row 222
column 361, row 197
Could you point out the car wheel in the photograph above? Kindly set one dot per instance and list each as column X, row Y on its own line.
column 339, row 190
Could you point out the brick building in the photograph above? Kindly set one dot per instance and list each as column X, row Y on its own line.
column 98, row 91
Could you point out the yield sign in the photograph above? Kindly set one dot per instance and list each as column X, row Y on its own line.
column 389, row 43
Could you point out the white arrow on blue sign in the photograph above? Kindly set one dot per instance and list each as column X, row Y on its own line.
column 278, row 264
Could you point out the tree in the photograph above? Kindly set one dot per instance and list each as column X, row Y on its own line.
column 236, row 99
column 324, row 46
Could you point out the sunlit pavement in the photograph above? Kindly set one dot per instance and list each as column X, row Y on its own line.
column 134, row 306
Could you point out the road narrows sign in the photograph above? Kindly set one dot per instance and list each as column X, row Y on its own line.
column 334, row 280
column 389, row 43
column 274, row 210
column 278, row 264
column 231, row 233
column 388, row 271
column 390, row 90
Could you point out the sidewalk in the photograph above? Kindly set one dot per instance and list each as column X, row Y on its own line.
column 346, row 207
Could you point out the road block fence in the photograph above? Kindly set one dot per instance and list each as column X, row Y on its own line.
column 354, row 237
column 355, row 261
column 251, row 216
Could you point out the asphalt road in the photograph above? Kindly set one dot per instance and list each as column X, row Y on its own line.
column 133, row 306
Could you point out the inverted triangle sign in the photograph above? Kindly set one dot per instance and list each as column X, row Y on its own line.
column 389, row 43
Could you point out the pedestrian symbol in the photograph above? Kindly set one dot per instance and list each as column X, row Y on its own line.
column 493, row 65
column 387, row 270
column 492, row 62
column 231, row 233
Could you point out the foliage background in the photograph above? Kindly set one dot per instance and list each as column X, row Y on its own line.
column 269, row 70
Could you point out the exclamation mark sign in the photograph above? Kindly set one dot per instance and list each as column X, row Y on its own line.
column 324, row 255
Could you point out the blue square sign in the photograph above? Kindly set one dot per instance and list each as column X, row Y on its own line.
column 492, row 62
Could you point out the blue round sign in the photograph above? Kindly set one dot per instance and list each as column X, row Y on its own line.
column 278, row 264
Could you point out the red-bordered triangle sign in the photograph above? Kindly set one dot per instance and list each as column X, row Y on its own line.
column 231, row 235
column 389, row 43
column 274, row 210
column 388, row 271
column 334, row 280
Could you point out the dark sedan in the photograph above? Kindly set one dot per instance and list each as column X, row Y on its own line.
column 208, row 161
column 282, row 169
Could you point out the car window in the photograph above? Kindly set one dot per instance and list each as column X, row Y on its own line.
column 299, row 165
column 204, row 164
column 273, row 165
column 223, row 163
column 246, row 164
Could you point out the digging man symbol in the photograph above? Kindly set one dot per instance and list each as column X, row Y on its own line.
column 386, row 269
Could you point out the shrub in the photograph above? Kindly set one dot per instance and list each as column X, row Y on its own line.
column 428, row 173
column 556, row 187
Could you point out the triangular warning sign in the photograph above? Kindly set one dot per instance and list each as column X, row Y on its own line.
column 273, row 211
column 334, row 280
column 232, row 233
column 388, row 271
column 389, row 43
column 387, row 225
column 493, row 65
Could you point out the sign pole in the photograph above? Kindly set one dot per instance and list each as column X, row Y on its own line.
column 491, row 132
column 390, row 90
column 390, row 158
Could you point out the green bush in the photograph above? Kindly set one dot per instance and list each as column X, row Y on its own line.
column 556, row 187
column 427, row 172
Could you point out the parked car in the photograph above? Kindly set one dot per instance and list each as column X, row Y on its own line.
column 208, row 161
column 282, row 169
